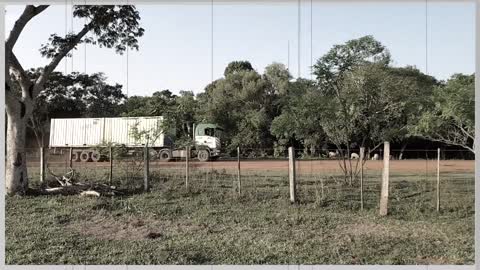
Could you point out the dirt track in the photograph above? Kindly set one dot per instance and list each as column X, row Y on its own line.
column 303, row 166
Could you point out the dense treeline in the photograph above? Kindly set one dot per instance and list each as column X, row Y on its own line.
column 356, row 99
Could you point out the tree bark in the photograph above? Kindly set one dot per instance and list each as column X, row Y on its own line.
column 402, row 150
column 16, row 176
column 19, row 109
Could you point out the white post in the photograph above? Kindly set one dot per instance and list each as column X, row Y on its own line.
column 438, row 179
column 42, row 165
column 291, row 174
column 239, row 179
column 362, row 157
column 187, row 172
column 385, row 180
column 146, row 168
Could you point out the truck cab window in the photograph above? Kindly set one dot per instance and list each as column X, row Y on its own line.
column 210, row 132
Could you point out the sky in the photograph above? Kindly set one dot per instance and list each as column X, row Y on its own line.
column 176, row 51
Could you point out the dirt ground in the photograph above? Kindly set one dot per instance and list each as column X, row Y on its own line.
column 303, row 166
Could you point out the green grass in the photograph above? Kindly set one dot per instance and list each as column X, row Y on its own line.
column 211, row 224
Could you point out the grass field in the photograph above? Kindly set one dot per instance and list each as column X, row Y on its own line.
column 211, row 224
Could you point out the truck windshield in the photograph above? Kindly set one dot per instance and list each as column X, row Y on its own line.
column 214, row 132
column 210, row 132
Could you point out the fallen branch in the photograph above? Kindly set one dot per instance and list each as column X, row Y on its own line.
column 90, row 193
column 83, row 189
column 64, row 180
column 68, row 186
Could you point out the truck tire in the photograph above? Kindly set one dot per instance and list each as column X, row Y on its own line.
column 95, row 155
column 203, row 155
column 152, row 154
column 165, row 155
column 75, row 156
column 85, row 156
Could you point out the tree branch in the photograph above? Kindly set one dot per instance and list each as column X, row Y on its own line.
column 466, row 133
column 451, row 142
column 11, row 61
column 56, row 60
column 19, row 72
column 29, row 12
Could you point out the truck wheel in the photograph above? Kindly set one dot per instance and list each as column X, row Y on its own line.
column 165, row 155
column 95, row 156
column 85, row 156
column 203, row 155
column 75, row 156
column 152, row 153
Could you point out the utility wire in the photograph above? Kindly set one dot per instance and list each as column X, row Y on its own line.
column 66, row 33
column 85, row 47
column 127, row 66
column 72, row 33
column 288, row 55
column 211, row 43
column 311, row 39
column 426, row 37
column 299, row 36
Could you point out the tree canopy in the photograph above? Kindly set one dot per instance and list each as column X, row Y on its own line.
column 110, row 26
column 451, row 117
column 357, row 98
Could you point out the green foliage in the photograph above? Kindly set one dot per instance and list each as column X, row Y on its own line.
column 119, row 151
column 279, row 77
column 237, row 66
column 146, row 136
column 376, row 103
column 77, row 95
column 74, row 95
column 178, row 111
column 357, row 99
column 369, row 101
column 300, row 116
column 241, row 103
column 112, row 27
column 451, row 117
column 342, row 58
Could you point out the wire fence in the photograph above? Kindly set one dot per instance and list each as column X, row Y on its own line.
column 325, row 179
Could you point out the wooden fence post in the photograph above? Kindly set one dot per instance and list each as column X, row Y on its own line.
column 438, row 179
column 362, row 157
column 385, row 180
column 70, row 157
column 239, row 179
column 146, row 168
column 42, row 165
column 292, row 174
column 187, row 154
column 110, row 158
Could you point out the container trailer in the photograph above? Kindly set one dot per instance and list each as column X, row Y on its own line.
column 84, row 135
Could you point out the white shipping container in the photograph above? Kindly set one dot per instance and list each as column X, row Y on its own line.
column 90, row 132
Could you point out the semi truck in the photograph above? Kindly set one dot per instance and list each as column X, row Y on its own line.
column 84, row 135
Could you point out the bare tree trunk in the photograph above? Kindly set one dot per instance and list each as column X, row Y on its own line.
column 344, row 165
column 313, row 151
column 350, row 169
column 16, row 176
column 402, row 150
column 19, row 109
